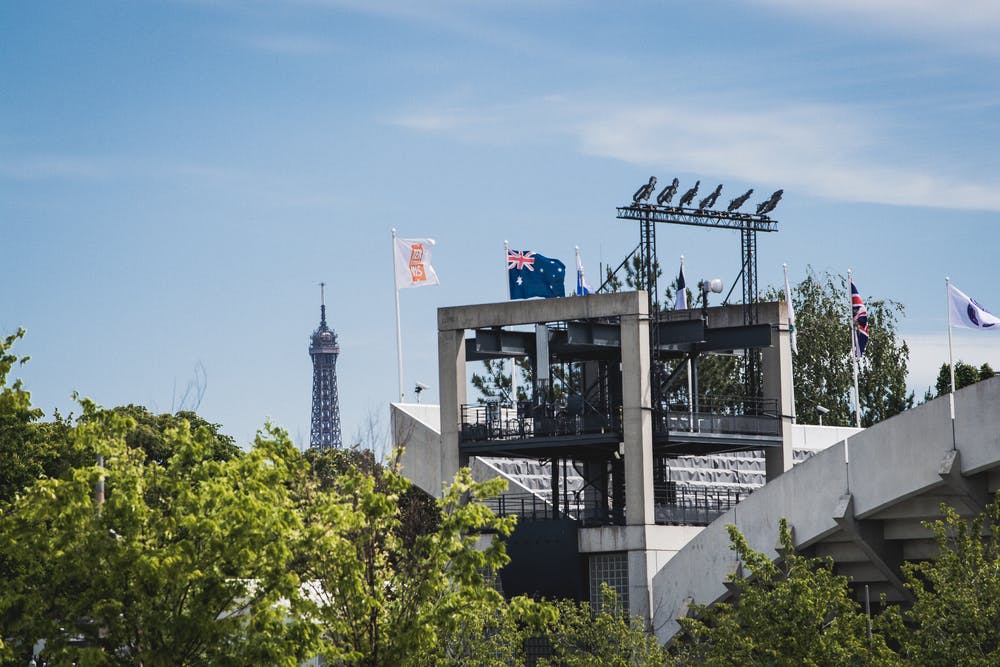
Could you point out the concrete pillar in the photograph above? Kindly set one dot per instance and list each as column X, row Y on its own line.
column 451, row 385
column 637, row 417
column 776, row 363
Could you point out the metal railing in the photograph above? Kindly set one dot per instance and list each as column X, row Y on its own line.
column 730, row 416
column 505, row 422
column 677, row 504
column 673, row 504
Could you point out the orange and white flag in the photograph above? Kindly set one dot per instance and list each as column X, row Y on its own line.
column 413, row 263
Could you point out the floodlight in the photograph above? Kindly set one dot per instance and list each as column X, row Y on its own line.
column 668, row 193
column 713, row 285
column 709, row 201
column 768, row 206
column 642, row 194
column 689, row 195
column 739, row 201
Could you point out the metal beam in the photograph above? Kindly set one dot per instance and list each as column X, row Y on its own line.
column 597, row 334
column 698, row 217
column 681, row 331
column 725, row 338
column 497, row 343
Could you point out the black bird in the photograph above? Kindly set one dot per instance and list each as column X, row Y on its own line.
column 668, row 193
column 689, row 195
column 709, row 201
column 768, row 206
column 739, row 201
column 642, row 194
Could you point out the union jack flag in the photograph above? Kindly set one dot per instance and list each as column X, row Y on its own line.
column 520, row 259
column 860, row 315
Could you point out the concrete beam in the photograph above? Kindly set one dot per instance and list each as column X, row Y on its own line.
column 868, row 536
column 972, row 490
column 525, row 311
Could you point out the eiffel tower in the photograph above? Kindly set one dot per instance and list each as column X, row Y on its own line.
column 323, row 349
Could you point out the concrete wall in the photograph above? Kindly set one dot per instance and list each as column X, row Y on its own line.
column 416, row 428
column 882, row 466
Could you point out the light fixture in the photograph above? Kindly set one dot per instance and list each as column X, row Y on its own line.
column 643, row 193
column 767, row 206
column 419, row 388
column 668, row 193
column 708, row 285
column 709, row 201
column 739, row 201
column 822, row 411
column 689, row 195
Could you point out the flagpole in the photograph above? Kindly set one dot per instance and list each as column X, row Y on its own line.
column 513, row 360
column 854, row 353
column 399, row 331
column 951, row 357
column 791, row 332
column 691, row 398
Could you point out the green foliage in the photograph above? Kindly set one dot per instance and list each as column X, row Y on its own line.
column 375, row 606
column 965, row 375
column 955, row 617
column 24, row 452
column 822, row 367
column 582, row 637
column 149, row 433
column 793, row 612
column 494, row 381
column 186, row 562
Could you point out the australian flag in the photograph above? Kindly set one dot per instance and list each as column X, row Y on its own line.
column 531, row 274
column 860, row 315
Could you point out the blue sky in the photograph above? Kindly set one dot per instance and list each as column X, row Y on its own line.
column 177, row 177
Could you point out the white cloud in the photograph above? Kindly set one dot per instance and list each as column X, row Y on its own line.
column 825, row 150
column 965, row 24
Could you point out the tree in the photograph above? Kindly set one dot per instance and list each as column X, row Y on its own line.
column 965, row 375
column 792, row 612
column 378, row 605
column 25, row 452
column 583, row 637
column 822, row 369
column 956, row 614
column 185, row 562
column 986, row 372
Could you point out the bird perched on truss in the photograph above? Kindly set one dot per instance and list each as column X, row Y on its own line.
column 689, row 195
column 768, row 206
column 739, row 201
column 709, row 201
column 643, row 193
column 668, row 193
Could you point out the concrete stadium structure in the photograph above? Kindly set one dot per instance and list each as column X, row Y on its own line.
column 859, row 500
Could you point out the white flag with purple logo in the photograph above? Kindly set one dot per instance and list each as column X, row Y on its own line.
column 965, row 312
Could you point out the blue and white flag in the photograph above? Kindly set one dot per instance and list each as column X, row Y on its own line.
column 681, row 301
column 965, row 312
column 530, row 274
column 582, row 288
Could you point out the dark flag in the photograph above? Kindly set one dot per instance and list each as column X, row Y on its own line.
column 530, row 274
column 860, row 315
